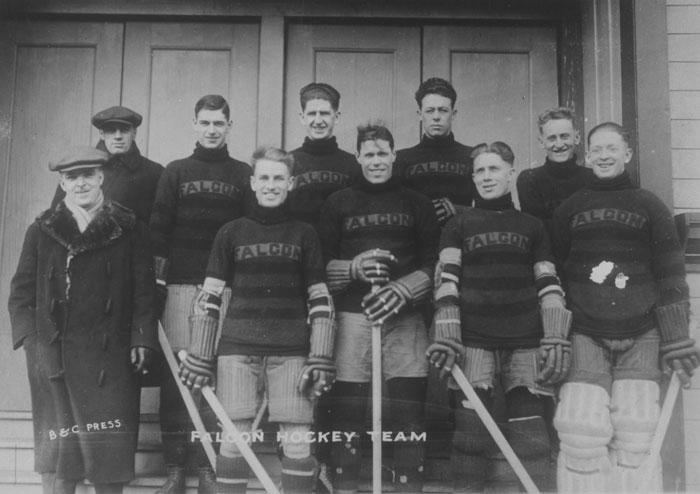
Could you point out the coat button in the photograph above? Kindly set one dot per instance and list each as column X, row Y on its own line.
column 101, row 378
column 108, row 306
column 58, row 376
column 105, row 341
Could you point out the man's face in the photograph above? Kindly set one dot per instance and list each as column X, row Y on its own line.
column 212, row 128
column 436, row 114
column 492, row 175
column 319, row 118
column 608, row 153
column 559, row 140
column 271, row 182
column 118, row 137
column 376, row 158
column 82, row 186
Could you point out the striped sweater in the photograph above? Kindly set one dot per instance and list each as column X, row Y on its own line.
column 195, row 197
column 384, row 216
column 620, row 255
column 270, row 261
column 489, row 252
column 438, row 167
column 320, row 169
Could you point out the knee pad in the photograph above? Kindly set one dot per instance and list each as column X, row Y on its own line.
column 294, row 440
column 228, row 448
column 583, row 422
column 527, row 430
column 634, row 413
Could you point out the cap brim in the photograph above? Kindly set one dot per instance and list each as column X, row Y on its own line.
column 80, row 166
column 116, row 120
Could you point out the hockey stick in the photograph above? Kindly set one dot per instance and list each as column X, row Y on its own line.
column 660, row 434
column 494, row 430
column 187, row 397
column 376, row 405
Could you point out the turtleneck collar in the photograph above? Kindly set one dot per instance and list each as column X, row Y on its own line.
column 204, row 154
column 565, row 169
column 499, row 204
column 620, row 182
column 365, row 186
column 322, row 146
column 128, row 159
column 269, row 216
column 440, row 141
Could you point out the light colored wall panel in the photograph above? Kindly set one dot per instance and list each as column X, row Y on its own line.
column 685, row 134
column 686, row 193
column 686, row 163
column 685, row 104
column 691, row 404
column 683, row 19
column 684, row 76
column 684, row 47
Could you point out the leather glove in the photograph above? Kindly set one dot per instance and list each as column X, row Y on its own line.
column 682, row 357
column 196, row 372
column 372, row 266
column 386, row 301
column 317, row 377
column 444, row 209
column 141, row 358
column 554, row 360
column 444, row 353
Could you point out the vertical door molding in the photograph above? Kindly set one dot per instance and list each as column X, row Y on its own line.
column 601, row 62
column 271, row 81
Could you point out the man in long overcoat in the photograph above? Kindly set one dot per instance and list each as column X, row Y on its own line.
column 82, row 305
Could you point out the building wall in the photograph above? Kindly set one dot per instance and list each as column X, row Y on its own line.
column 683, row 21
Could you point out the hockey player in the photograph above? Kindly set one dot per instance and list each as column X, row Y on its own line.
column 195, row 197
column 320, row 166
column 275, row 268
column 498, row 295
column 438, row 166
column 377, row 232
column 542, row 189
column 625, row 281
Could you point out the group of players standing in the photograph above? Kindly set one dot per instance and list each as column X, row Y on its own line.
column 273, row 276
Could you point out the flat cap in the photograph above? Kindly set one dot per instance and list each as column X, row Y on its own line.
column 320, row 90
column 117, row 114
column 79, row 157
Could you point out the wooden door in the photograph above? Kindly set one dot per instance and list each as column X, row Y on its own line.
column 55, row 76
column 169, row 66
column 504, row 77
column 375, row 69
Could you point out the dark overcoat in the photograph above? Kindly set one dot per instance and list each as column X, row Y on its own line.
column 78, row 303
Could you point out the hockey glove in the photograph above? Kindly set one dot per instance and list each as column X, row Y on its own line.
column 555, row 348
column 319, row 371
column 447, row 348
column 392, row 297
column 678, row 350
column 372, row 266
column 198, row 365
column 444, row 209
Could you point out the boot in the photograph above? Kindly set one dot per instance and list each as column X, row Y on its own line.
column 207, row 481
column 175, row 483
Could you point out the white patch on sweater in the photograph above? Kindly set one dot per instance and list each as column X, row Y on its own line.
column 601, row 271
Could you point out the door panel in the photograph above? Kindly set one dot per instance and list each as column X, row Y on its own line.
column 375, row 69
column 169, row 66
column 504, row 77
column 56, row 75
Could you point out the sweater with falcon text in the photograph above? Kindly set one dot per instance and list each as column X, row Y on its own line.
column 620, row 257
